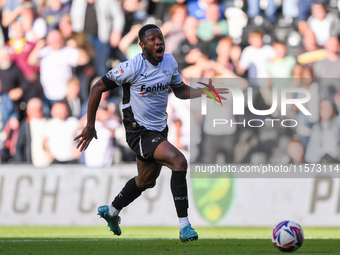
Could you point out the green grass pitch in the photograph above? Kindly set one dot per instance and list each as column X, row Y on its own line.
column 156, row 240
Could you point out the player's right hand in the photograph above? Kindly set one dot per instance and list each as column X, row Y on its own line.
column 85, row 138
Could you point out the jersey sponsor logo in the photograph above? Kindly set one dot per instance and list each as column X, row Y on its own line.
column 154, row 90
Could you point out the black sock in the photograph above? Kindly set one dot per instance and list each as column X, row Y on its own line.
column 129, row 193
column 180, row 192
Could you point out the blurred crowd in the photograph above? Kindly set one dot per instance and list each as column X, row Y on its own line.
column 52, row 52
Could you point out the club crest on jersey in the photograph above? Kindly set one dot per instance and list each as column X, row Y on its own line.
column 166, row 72
column 117, row 71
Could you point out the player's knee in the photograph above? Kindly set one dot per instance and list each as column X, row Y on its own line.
column 152, row 184
column 180, row 164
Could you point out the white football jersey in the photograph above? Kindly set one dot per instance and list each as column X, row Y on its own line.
column 145, row 90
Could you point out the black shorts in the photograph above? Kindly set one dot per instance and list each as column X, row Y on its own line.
column 145, row 142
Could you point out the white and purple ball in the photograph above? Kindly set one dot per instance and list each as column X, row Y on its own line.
column 287, row 236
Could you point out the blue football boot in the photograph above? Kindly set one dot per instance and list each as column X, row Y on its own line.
column 113, row 221
column 187, row 234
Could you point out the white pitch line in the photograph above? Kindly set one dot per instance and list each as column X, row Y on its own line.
column 135, row 239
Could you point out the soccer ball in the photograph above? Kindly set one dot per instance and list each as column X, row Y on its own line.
column 287, row 236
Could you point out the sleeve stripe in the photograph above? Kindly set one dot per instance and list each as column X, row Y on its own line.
column 110, row 84
column 177, row 85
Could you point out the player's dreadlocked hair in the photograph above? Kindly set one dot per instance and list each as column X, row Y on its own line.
column 141, row 33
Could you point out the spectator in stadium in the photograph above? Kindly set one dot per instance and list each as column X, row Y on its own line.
column 13, row 9
column 323, row 24
column 254, row 9
column 41, row 5
column 222, row 138
column 304, row 129
column 162, row 7
column 311, row 52
column 100, row 152
column 280, row 70
column 202, row 65
column 8, row 121
column 128, row 45
column 92, row 17
column 135, row 11
column 78, row 40
column 29, row 147
column 304, row 7
column 224, row 49
column 309, row 41
column 35, row 28
column 72, row 98
column 72, row 39
column 56, row 63
column 53, row 12
column 254, row 58
column 20, row 50
column 213, row 27
column 281, row 66
column 223, row 65
column 191, row 48
column 328, row 68
column 296, row 151
column 112, row 105
column 7, row 111
column 325, row 137
column 12, row 79
column 59, row 131
column 172, row 29
column 198, row 8
column 308, row 82
column 327, row 71
column 180, row 125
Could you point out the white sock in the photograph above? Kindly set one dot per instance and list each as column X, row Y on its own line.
column 183, row 222
column 113, row 211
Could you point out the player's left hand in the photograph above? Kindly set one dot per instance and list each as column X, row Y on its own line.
column 216, row 92
column 85, row 138
column 222, row 91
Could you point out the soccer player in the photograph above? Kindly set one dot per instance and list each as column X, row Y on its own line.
column 146, row 80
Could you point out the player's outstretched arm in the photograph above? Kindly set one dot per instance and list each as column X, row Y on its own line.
column 187, row 92
column 89, row 132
